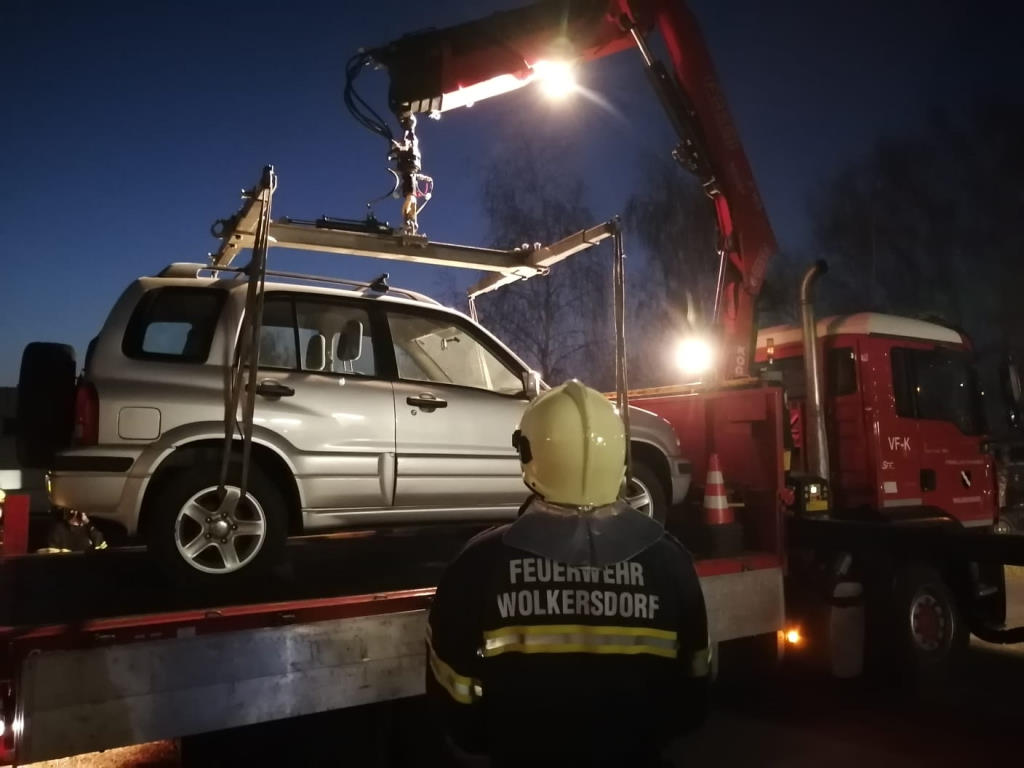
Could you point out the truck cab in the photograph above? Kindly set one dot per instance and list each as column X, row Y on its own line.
column 903, row 412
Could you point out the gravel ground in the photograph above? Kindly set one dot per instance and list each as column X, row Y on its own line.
column 162, row 754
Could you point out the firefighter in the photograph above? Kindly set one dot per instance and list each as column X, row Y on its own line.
column 576, row 635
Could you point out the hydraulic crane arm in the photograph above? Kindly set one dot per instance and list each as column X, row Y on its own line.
column 439, row 70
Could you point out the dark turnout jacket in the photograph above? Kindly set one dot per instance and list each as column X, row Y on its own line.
column 569, row 640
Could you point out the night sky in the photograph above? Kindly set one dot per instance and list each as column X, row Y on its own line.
column 127, row 128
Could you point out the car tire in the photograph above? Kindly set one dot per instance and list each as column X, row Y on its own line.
column 928, row 626
column 45, row 410
column 1012, row 520
column 195, row 545
column 645, row 476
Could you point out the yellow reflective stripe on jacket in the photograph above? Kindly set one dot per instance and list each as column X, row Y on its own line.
column 464, row 690
column 580, row 638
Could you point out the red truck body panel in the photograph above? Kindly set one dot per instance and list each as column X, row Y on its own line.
column 745, row 427
column 882, row 459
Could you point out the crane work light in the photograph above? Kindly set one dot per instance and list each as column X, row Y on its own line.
column 557, row 79
column 695, row 355
column 436, row 71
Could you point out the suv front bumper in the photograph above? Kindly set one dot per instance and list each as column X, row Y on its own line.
column 680, row 472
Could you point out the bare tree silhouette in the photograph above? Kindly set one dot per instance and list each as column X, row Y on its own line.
column 560, row 323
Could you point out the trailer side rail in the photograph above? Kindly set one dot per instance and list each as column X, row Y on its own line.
column 106, row 683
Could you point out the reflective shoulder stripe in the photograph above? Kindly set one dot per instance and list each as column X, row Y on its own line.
column 581, row 638
column 464, row 690
column 528, row 629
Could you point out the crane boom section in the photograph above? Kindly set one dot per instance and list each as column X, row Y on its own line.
column 439, row 70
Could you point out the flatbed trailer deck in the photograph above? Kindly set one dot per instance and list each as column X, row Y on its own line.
column 112, row 658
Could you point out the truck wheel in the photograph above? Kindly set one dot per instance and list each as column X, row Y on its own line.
column 928, row 623
column 1011, row 520
column 194, row 541
column 45, row 410
column 647, row 484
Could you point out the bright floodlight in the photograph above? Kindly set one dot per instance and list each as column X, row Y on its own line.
column 557, row 78
column 694, row 356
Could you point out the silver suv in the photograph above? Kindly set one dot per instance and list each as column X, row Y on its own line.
column 374, row 408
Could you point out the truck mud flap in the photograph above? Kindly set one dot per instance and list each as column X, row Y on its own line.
column 744, row 604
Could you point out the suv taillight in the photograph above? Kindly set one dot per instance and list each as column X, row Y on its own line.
column 87, row 415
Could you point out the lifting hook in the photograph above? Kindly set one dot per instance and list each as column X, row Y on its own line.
column 412, row 184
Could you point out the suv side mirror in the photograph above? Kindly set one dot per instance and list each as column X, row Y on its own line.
column 350, row 342
column 531, row 383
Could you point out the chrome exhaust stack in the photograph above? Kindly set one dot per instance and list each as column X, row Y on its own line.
column 816, row 433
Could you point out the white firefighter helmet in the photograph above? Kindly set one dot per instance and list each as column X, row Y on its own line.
column 572, row 446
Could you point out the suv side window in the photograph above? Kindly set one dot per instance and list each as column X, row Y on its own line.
column 173, row 324
column 316, row 335
column 335, row 338
column 277, row 334
column 440, row 350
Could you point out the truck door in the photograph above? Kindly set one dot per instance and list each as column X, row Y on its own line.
column 937, row 388
column 320, row 391
column 853, row 482
column 458, row 399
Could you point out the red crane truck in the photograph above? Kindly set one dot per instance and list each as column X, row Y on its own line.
column 894, row 503
column 912, row 482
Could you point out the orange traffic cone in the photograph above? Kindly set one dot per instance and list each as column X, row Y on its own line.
column 716, row 506
column 722, row 534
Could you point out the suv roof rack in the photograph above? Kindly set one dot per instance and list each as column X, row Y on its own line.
column 195, row 269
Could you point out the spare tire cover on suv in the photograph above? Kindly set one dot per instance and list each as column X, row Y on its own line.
column 45, row 410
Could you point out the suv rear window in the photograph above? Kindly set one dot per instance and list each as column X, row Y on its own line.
column 173, row 324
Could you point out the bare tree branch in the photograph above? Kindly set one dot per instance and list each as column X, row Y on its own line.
column 559, row 323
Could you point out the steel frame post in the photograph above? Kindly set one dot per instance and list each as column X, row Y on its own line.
column 621, row 379
column 247, row 349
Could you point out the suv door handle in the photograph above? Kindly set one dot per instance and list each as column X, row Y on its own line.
column 271, row 388
column 427, row 402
